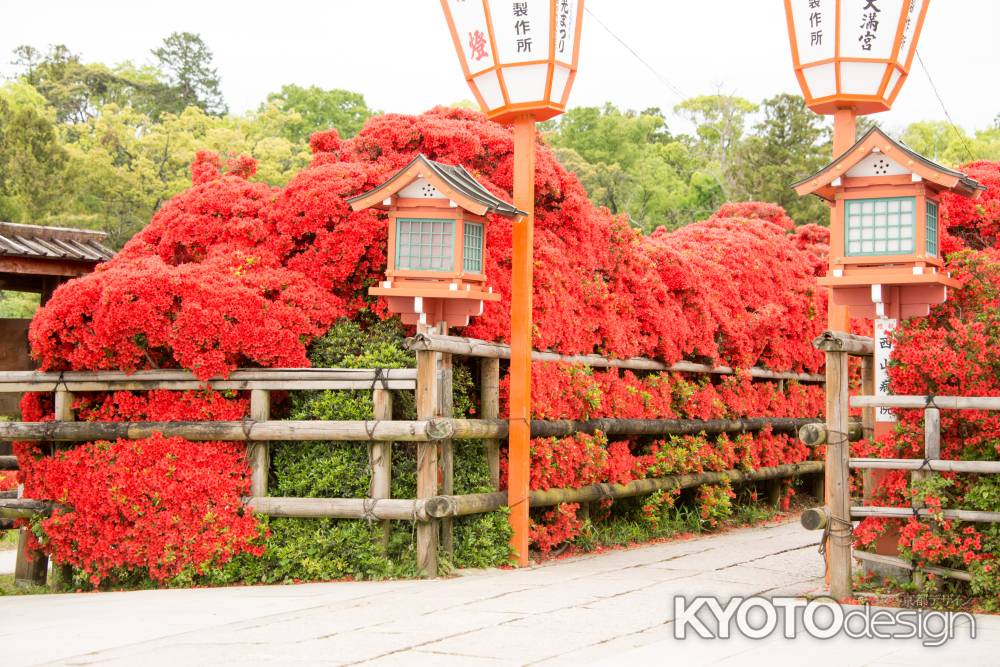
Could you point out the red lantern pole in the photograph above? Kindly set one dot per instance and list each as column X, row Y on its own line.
column 845, row 123
column 519, row 455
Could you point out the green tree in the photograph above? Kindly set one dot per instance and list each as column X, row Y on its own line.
column 629, row 162
column 32, row 161
column 719, row 122
column 943, row 142
column 74, row 89
column 788, row 144
column 186, row 65
column 320, row 109
column 123, row 165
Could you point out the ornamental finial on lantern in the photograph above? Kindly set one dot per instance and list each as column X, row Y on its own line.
column 853, row 53
column 437, row 242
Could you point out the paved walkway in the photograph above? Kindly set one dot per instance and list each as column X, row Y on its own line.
column 615, row 608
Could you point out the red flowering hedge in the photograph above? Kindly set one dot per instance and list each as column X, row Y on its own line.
column 8, row 481
column 951, row 352
column 235, row 273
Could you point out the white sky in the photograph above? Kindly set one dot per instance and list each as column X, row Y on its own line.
column 399, row 55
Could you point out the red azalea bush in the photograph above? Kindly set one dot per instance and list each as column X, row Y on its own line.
column 951, row 352
column 157, row 505
column 8, row 481
column 234, row 273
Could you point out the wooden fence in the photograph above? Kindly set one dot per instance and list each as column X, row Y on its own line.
column 838, row 516
column 435, row 433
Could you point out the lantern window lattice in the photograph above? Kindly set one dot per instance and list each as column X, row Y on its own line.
column 425, row 244
column 932, row 228
column 883, row 226
column 472, row 256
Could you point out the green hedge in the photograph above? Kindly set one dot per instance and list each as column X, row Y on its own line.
column 326, row 549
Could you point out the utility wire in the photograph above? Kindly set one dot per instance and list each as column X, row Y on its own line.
column 664, row 80
column 947, row 115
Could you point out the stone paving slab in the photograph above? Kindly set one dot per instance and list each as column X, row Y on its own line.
column 610, row 608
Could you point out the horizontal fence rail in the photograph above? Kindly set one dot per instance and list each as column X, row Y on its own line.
column 835, row 341
column 893, row 561
column 922, row 402
column 472, row 347
column 935, row 465
column 907, row 512
column 365, row 431
column 274, row 379
column 439, row 507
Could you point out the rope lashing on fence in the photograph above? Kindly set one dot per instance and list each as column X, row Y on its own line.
column 380, row 378
column 838, row 529
column 61, row 380
column 247, row 425
column 368, row 508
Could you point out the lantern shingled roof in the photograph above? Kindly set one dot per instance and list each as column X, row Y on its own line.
column 822, row 185
column 453, row 181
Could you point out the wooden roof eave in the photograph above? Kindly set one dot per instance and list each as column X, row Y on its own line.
column 820, row 182
column 416, row 169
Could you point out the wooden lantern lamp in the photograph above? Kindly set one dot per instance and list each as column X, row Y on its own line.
column 885, row 247
column 437, row 242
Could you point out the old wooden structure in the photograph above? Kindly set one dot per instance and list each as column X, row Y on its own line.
column 841, row 510
column 37, row 260
column 434, row 507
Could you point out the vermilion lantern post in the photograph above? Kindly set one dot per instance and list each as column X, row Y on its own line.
column 520, row 59
column 852, row 57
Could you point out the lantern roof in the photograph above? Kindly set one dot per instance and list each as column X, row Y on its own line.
column 894, row 158
column 451, row 181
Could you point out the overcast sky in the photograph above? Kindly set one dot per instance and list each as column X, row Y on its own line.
column 399, row 55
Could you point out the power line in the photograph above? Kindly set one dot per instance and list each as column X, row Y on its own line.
column 666, row 82
column 947, row 115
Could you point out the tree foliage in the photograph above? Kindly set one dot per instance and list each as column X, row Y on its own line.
column 185, row 62
column 320, row 109
column 789, row 143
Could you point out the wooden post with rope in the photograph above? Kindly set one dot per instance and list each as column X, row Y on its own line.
column 427, row 462
column 838, row 487
column 489, row 407
column 259, row 453
column 380, row 457
column 446, row 449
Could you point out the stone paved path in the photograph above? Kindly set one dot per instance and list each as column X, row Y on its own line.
column 614, row 608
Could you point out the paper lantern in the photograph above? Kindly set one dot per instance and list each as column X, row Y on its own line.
column 853, row 54
column 518, row 57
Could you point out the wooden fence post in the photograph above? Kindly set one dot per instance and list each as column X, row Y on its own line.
column 489, row 406
column 427, row 464
column 259, row 453
column 868, row 420
column 838, row 487
column 446, row 448
column 932, row 451
column 31, row 567
column 380, row 456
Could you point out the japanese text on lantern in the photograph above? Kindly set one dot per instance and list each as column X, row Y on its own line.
column 815, row 23
column 522, row 26
column 564, row 25
column 884, row 342
column 908, row 27
column 869, row 24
